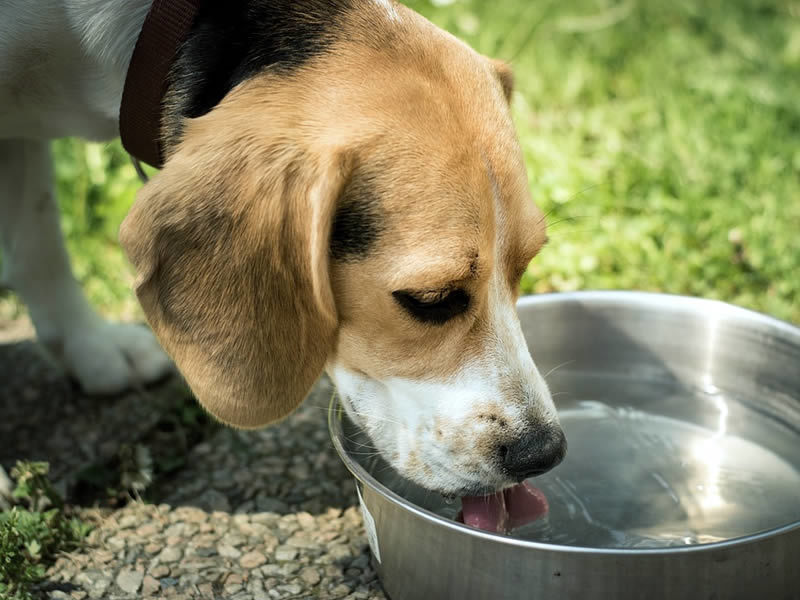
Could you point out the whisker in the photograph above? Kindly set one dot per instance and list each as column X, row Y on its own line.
column 588, row 188
column 545, row 215
column 564, row 219
column 575, row 195
column 554, row 369
column 384, row 468
column 380, row 419
column 358, row 443
column 364, row 454
column 362, row 414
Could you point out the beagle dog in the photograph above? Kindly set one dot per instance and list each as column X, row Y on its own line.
column 343, row 191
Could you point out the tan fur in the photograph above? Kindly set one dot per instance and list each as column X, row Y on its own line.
column 230, row 240
column 506, row 77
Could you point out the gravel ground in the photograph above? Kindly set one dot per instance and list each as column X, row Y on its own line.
column 247, row 515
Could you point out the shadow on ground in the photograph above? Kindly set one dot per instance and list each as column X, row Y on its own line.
column 99, row 448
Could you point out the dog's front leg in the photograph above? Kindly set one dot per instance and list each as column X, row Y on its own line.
column 105, row 358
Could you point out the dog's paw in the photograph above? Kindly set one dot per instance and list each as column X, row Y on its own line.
column 108, row 358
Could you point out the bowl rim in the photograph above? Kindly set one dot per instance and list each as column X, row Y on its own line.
column 604, row 296
column 632, row 298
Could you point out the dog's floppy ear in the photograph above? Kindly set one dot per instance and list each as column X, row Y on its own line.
column 505, row 76
column 230, row 242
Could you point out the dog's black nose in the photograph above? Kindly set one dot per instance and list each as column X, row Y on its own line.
column 536, row 452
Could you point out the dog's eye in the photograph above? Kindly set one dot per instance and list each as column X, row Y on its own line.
column 437, row 308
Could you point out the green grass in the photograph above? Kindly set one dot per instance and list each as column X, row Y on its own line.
column 33, row 533
column 654, row 133
column 662, row 138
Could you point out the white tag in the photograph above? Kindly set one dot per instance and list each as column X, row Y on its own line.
column 369, row 525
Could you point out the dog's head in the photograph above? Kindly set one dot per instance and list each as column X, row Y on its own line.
column 367, row 214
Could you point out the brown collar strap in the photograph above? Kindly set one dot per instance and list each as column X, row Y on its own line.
column 165, row 28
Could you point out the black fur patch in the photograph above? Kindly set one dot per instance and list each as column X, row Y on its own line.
column 358, row 222
column 233, row 40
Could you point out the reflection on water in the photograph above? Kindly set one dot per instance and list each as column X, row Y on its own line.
column 634, row 478
column 640, row 480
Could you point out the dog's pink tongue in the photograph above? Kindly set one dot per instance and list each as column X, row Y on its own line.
column 506, row 510
column 525, row 503
column 485, row 512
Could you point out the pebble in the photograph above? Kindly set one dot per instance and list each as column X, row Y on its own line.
column 190, row 514
column 341, row 589
column 234, row 539
column 233, row 588
column 170, row 554
column 152, row 548
column 339, row 552
column 212, row 500
column 150, row 585
column 159, row 571
column 104, row 556
column 115, row 543
column 148, row 530
column 292, row 589
column 310, row 575
column 128, row 521
column 129, row 580
column 99, row 587
column 306, row 521
column 273, row 505
column 251, row 560
column 302, row 540
column 285, row 553
column 228, row 551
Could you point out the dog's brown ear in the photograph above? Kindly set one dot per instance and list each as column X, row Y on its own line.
column 230, row 242
column 505, row 76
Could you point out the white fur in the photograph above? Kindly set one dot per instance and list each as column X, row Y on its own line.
column 388, row 6
column 63, row 66
column 62, row 69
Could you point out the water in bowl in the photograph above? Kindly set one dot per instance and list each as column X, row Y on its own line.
column 652, row 466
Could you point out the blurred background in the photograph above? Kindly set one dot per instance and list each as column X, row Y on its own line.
column 661, row 138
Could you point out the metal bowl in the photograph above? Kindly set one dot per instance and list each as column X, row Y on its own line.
column 682, row 479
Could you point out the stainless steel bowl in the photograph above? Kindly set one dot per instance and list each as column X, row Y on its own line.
column 683, row 474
